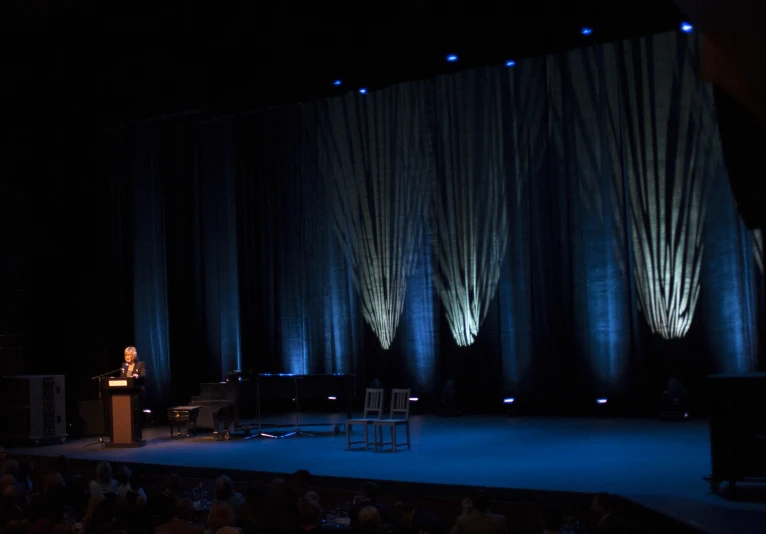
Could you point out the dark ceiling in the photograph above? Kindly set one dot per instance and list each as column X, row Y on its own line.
column 171, row 58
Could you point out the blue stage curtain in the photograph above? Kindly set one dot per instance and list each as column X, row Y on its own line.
column 287, row 233
column 731, row 297
column 150, row 304
column 585, row 145
column 298, row 297
column 215, row 234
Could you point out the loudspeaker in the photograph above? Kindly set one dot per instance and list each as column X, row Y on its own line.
column 737, row 427
column 32, row 408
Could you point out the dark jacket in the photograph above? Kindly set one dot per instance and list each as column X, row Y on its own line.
column 139, row 368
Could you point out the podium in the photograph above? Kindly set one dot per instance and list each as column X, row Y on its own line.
column 124, row 409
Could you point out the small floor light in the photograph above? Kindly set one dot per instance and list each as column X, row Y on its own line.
column 510, row 405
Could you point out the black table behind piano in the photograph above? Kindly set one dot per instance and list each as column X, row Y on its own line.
column 274, row 386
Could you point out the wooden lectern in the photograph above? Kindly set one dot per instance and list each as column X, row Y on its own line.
column 124, row 412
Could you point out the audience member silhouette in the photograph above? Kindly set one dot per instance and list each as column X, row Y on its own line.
column 369, row 496
column 182, row 521
column 477, row 519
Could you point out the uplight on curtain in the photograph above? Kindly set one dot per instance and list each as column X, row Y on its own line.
column 375, row 162
column 669, row 128
column 470, row 211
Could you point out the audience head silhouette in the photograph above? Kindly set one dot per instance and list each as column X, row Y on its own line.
column 224, row 488
column 221, row 515
column 104, row 473
column 300, row 482
column 310, row 514
column 11, row 467
column 369, row 518
column 369, row 491
column 480, row 500
column 62, row 464
column 184, row 510
column 173, row 483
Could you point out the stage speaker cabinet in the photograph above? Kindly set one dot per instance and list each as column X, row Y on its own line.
column 737, row 428
column 33, row 408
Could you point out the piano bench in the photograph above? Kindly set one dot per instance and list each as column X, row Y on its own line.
column 183, row 418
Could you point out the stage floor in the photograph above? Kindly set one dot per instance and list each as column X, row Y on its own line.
column 660, row 465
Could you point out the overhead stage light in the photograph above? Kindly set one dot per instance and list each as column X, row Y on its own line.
column 452, row 58
column 510, row 63
column 686, row 27
column 586, row 30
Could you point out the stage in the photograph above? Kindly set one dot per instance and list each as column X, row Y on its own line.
column 658, row 464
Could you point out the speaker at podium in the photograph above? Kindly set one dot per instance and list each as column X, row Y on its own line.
column 124, row 407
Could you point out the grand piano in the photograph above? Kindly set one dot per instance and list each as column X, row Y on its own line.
column 225, row 406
